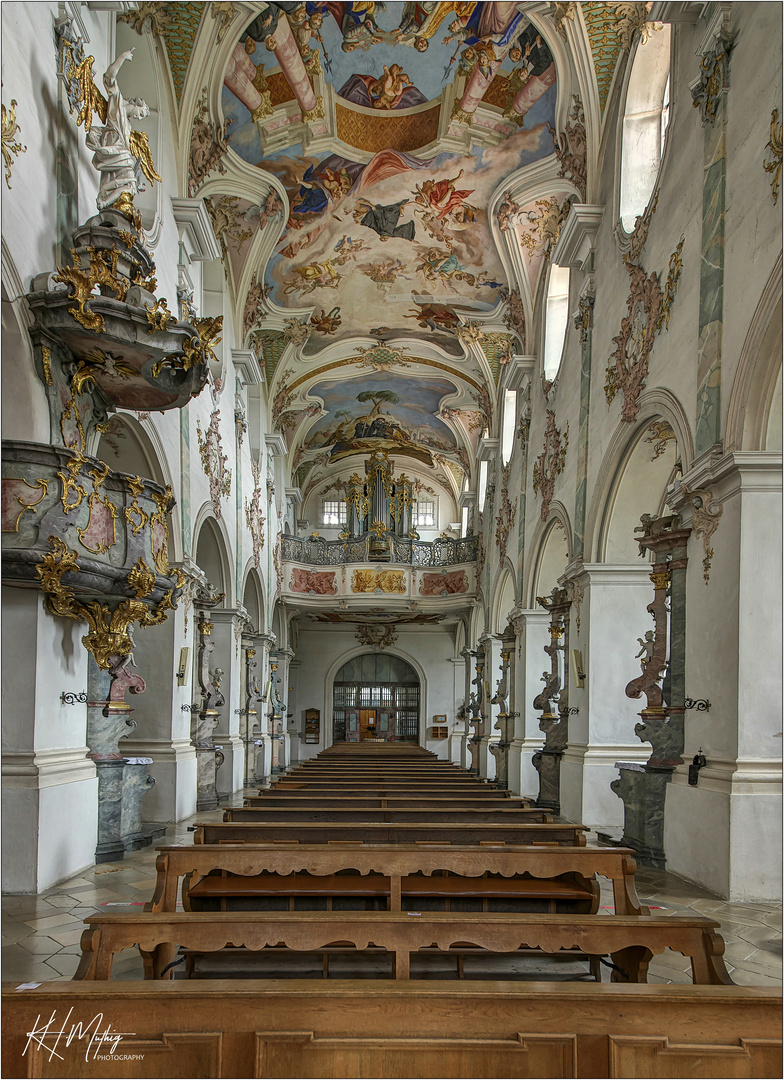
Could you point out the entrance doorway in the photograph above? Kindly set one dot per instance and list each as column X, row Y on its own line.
column 376, row 697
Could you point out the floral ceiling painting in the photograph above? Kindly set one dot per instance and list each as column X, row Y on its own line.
column 369, row 115
column 383, row 412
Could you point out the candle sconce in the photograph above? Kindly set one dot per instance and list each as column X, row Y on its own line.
column 700, row 704
column 190, row 708
column 73, row 699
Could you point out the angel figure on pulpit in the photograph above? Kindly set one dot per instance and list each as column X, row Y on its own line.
column 120, row 154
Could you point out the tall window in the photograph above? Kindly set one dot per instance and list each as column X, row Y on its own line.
column 424, row 514
column 645, row 121
column 333, row 512
column 510, row 410
column 556, row 319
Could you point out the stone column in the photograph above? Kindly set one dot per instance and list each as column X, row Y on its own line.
column 276, row 710
column 481, row 737
column 554, row 701
column 108, row 721
column 532, row 635
column 287, row 54
column 262, row 737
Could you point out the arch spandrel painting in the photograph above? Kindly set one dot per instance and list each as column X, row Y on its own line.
column 382, row 412
column 390, row 127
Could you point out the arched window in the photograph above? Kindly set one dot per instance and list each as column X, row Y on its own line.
column 645, row 120
column 510, row 410
column 556, row 318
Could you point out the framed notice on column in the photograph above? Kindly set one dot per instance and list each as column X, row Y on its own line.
column 312, row 725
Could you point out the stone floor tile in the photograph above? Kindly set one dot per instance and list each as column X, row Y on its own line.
column 93, row 894
column 744, row 976
column 30, row 970
column 63, row 919
column 67, row 937
column 39, row 943
column 761, row 963
column 13, row 932
column 61, row 900
column 64, row 964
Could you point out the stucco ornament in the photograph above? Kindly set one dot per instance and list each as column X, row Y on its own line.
column 214, row 461
column 627, row 368
column 209, row 145
column 378, row 637
column 774, row 154
column 705, row 514
column 550, row 462
column 571, row 147
column 254, row 518
column 506, row 513
column 11, row 147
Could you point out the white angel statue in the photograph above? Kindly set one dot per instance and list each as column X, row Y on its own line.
column 120, row 154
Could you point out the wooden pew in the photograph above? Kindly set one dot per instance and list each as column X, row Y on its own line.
column 370, row 802
column 235, row 832
column 402, row 815
column 381, row 1029
column 629, row 940
column 396, row 864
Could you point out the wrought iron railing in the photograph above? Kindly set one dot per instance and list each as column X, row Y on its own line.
column 322, row 552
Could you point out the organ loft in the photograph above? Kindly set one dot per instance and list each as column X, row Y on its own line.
column 391, row 535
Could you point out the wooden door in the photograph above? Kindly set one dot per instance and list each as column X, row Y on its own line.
column 367, row 724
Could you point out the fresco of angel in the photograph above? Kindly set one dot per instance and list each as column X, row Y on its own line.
column 314, row 276
column 385, row 271
column 442, row 197
column 120, row 154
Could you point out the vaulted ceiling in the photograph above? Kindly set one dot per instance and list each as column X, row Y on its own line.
column 387, row 183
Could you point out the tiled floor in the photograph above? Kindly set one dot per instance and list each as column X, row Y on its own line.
column 40, row 934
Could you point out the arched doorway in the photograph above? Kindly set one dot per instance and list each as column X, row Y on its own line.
column 376, row 696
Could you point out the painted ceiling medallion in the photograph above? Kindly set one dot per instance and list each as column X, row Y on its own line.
column 627, row 368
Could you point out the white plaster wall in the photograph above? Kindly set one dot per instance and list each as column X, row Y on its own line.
column 320, row 650
column 49, row 787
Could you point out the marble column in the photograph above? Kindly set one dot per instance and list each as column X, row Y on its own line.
column 291, row 65
column 285, row 656
column 276, row 710
column 505, row 720
column 710, row 93
column 229, row 624
column 484, row 662
column 643, row 789
column 250, row 711
column 203, row 722
column 108, row 721
column 553, row 699
column 465, row 734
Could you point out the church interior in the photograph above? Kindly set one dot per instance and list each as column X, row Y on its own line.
column 391, row 693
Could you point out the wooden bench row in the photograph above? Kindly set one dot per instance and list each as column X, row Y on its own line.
column 397, row 866
column 629, row 941
column 399, row 815
column 236, row 832
column 388, row 1029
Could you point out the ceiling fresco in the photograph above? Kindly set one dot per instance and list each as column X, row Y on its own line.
column 380, row 412
column 387, row 199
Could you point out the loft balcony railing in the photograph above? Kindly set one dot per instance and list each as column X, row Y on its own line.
column 391, row 549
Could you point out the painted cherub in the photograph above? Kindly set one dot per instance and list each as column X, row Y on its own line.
column 387, row 90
